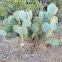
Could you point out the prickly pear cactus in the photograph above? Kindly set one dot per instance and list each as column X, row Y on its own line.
column 46, row 25
column 42, row 27
column 17, row 25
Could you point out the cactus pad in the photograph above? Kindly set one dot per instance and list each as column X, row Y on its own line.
column 35, row 27
column 15, row 28
column 35, row 24
column 30, row 13
column 14, row 34
column 46, row 20
column 6, row 22
column 49, row 40
column 22, row 30
column 49, row 34
column 52, row 9
column 26, row 23
column 50, row 17
column 28, row 16
column 55, row 19
column 55, row 42
column 57, row 30
column 8, row 28
column 37, row 20
column 18, row 17
column 9, row 36
column 3, row 32
column 41, row 15
column 44, row 37
column 9, row 18
column 13, row 22
column 45, row 27
column 53, row 25
column 46, row 14
column 61, row 27
column 15, row 14
column 22, row 15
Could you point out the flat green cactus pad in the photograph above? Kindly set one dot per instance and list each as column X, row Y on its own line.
column 14, row 34
column 16, row 13
column 3, row 33
column 55, row 42
column 18, row 17
column 41, row 15
column 35, row 24
column 37, row 20
column 13, row 22
column 22, row 15
column 52, row 9
column 55, row 19
column 45, row 27
column 15, row 28
column 30, row 13
column 29, row 28
column 5, row 22
column 50, row 17
column 26, row 23
column 49, row 34
column 9, row 18
column 22, row 30
column 9, row 36
column 46, row 14
column 53, row 25
column 57, row 24
column 35, row 27
column 44, row 38
column 57, row 30
column 61, row 27
column 55, row 10
column 46, row 20
column 49, row 40
column 28, row 16
column 8, row 28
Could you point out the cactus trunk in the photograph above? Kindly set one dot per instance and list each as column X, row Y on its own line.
column 22, row 39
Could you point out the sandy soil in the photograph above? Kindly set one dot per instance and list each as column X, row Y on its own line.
column 11, row 51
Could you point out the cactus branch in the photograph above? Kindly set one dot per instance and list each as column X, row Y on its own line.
column 22, row 38
column 22, row 44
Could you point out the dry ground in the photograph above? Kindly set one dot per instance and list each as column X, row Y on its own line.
column 11, row 51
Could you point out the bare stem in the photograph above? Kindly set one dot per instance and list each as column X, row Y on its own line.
column 22, row 38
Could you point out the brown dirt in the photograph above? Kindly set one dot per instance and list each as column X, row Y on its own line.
column 11, row 51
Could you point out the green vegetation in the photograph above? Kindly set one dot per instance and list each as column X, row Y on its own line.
column 8, row 7
column 57, row 2
column 59, row 5
column 41, row 28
